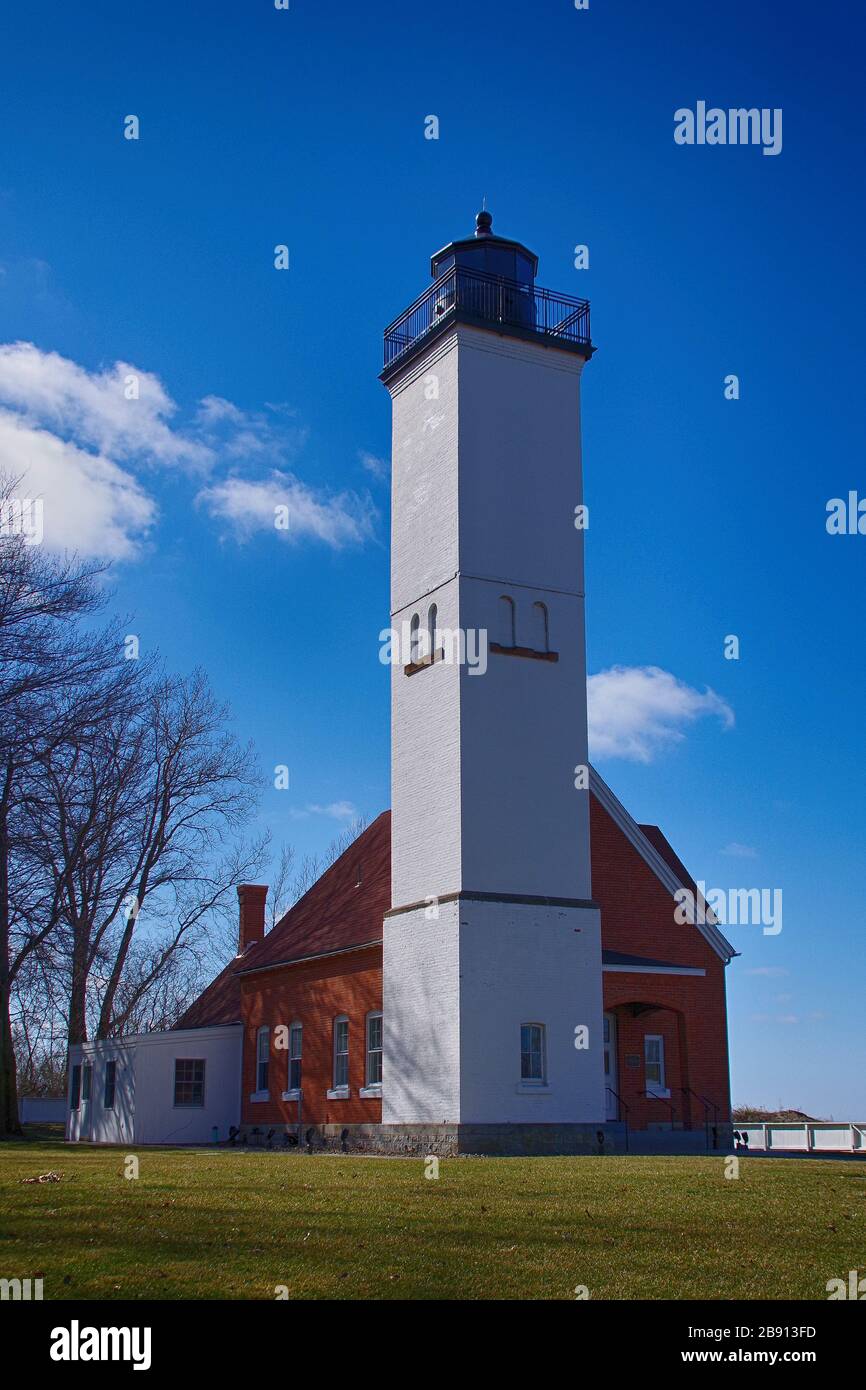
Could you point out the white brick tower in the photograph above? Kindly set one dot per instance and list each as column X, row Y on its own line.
column 492, row 953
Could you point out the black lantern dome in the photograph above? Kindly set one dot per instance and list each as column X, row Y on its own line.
column 487, row 254
column 487, row 281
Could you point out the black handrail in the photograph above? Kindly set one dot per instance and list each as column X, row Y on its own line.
column 715, row 1108
column 708, row 1105
column 654, row 1095
column 687, row 1091
column 479, row 296
column 622, row 1106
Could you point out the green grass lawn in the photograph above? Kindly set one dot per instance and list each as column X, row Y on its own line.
column 207, row 1224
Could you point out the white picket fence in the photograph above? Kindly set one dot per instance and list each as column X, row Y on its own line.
column 805, row 1137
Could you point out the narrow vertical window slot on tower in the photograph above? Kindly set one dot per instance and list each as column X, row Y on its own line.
column 542, row 627
column 507, row 621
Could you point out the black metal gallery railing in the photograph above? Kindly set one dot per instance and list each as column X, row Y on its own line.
column 490, row 299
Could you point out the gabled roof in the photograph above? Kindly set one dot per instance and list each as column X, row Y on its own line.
column 345, row 908
column 338, row 913
column 661, row 859
column 219, row 1003
column 673, row 861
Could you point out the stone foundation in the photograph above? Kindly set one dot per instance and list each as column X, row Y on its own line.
column 445, row 1140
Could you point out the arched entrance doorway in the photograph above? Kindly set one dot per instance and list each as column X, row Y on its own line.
column 646, row 1067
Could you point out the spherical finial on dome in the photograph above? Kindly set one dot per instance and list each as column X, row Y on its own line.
column 483, row 223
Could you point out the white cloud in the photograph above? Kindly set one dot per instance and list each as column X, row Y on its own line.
column 216, row 410
column 238, row 434
column 379, row 468
column 337, row 810
column 90, row 504
column 251, row 506
column 76, row 438
column 772, row 972
column 72, row 437
column 334, row 810
column 738, row 851
column 637, row 711
column 92, row 408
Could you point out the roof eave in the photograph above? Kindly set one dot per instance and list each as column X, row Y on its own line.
column 662, row 870
column 318, row 955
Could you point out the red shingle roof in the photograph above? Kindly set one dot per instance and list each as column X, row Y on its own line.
column 219, row 1003
column 668, row 854
column 338, row 912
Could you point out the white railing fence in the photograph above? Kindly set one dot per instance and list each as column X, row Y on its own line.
column 805, row 1136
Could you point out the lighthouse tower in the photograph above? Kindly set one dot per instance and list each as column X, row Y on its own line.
column 492, row 989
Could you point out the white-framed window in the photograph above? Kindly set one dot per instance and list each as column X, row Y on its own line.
column 654, row 1063
column 263, row 1058
column 533, row 1054
column 88, row 1081
column 75, row 1087
column 296, row 1042
column 110, row 1085
column 374, row 1049
column 189, row 1081
column 341, row 1053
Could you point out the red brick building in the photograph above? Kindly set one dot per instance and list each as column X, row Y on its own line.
column 317, row 976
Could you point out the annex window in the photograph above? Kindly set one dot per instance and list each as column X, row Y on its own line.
column 541, row 619
column 110, row 1085
column 87, row 1081
column 374, row 1049
column 75, row 1088
column 296, row 1042
column 263, row 1057
column 532, row 1053
column 341, row 1053
column 654, row 1061
column 507, row 621
column 189, row 1081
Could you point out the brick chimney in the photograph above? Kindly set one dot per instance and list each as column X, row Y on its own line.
column 251, row 900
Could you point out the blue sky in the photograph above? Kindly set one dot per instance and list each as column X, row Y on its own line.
column 305, row 127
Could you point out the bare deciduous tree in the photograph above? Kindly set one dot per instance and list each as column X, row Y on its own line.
column 40, row 597
column 280, row 896
column 140, row 822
